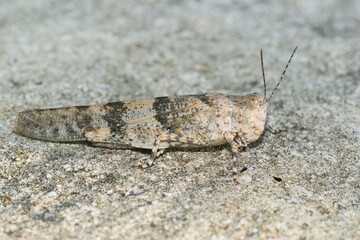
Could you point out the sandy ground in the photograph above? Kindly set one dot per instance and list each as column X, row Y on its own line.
column 302, row 179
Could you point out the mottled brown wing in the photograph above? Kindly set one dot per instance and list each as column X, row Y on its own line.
column 60, row 124
column 66, row 124
column 170, row 112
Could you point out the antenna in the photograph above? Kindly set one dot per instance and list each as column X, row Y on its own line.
column 263, row 72
column 282, row 75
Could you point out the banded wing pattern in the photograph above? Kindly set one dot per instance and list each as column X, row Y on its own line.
column 66, row 124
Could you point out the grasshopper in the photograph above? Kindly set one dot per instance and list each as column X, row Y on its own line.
column 189, row 121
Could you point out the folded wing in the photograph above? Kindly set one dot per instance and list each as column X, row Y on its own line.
column 66, row 124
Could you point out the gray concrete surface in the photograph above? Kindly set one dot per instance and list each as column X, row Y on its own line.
column 59, row 53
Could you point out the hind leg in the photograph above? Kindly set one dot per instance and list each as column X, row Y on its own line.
column 145, row 137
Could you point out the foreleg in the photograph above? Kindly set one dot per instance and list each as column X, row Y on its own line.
column 235, row 143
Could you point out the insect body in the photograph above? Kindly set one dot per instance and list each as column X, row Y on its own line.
column 189, row 121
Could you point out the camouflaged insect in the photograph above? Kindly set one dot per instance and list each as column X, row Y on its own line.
column 189, row 121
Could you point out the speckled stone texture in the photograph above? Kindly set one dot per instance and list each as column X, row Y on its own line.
column 302, row 179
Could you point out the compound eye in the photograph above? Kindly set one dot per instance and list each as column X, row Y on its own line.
column 253, row 102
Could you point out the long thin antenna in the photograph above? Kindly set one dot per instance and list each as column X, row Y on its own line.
column 282, row 75
column 263, row 72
